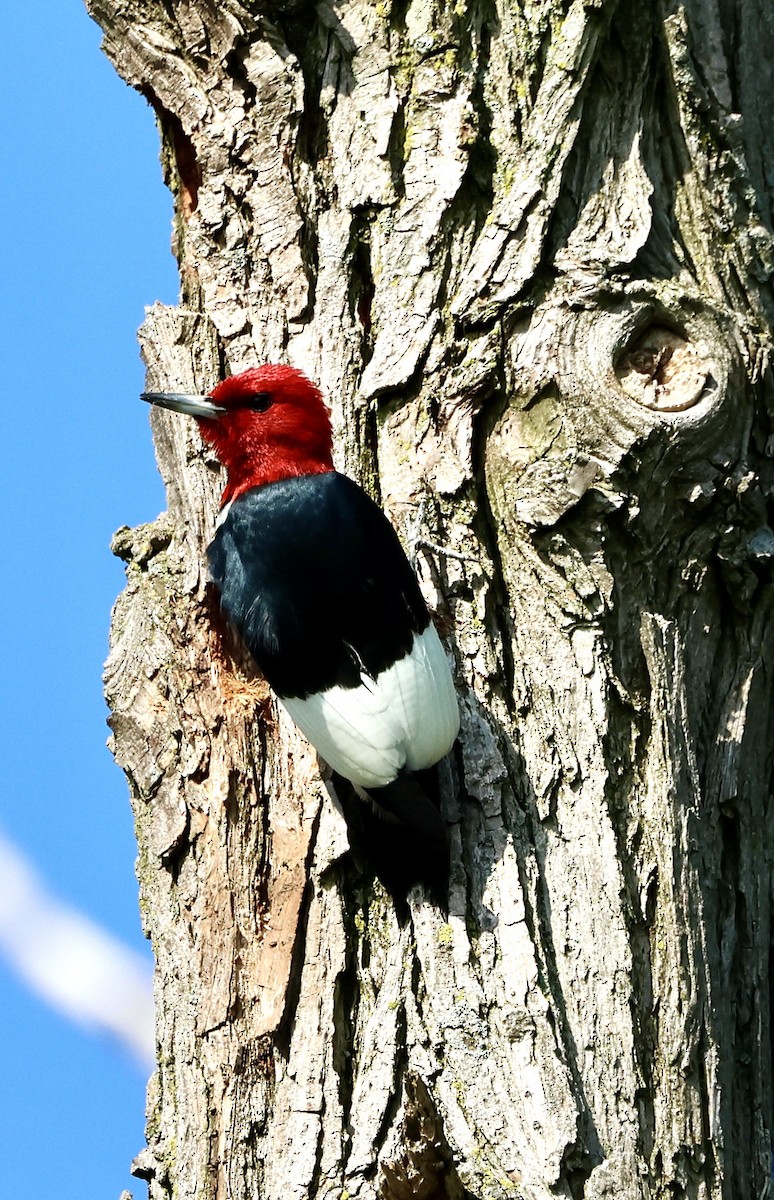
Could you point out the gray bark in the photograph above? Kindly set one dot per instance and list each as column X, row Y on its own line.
column 526, row 250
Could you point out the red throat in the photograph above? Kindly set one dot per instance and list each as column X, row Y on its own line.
column 291, row 436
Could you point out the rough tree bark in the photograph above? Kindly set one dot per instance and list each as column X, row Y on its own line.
column 525, row 247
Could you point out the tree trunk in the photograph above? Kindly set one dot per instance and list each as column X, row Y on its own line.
column 526, row 250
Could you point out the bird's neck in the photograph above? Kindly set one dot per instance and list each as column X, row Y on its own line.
column 269, row 465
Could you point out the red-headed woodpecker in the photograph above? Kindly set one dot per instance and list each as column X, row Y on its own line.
column 314, row 578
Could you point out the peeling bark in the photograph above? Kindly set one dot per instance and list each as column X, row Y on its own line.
column 526, row 250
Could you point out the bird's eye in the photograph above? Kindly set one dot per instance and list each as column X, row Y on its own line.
column 259, row 402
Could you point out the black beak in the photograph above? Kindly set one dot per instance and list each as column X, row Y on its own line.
column 192, row 406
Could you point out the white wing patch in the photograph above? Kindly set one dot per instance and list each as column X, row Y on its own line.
column 407, row 717
column 226, row 509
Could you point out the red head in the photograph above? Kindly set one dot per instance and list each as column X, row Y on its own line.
column 265, row 424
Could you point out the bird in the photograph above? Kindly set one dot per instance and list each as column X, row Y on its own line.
column 312, row 575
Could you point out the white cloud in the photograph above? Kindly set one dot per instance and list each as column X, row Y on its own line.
column 76, row 966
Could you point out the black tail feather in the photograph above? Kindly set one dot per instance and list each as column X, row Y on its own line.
column 401, row 836
column 405, row 799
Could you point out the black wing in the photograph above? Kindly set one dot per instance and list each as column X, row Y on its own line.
column 313, row 576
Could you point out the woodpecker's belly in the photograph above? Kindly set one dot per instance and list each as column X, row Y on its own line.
column 407, row 717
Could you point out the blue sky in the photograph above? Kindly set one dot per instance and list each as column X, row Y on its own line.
column 87, row 233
